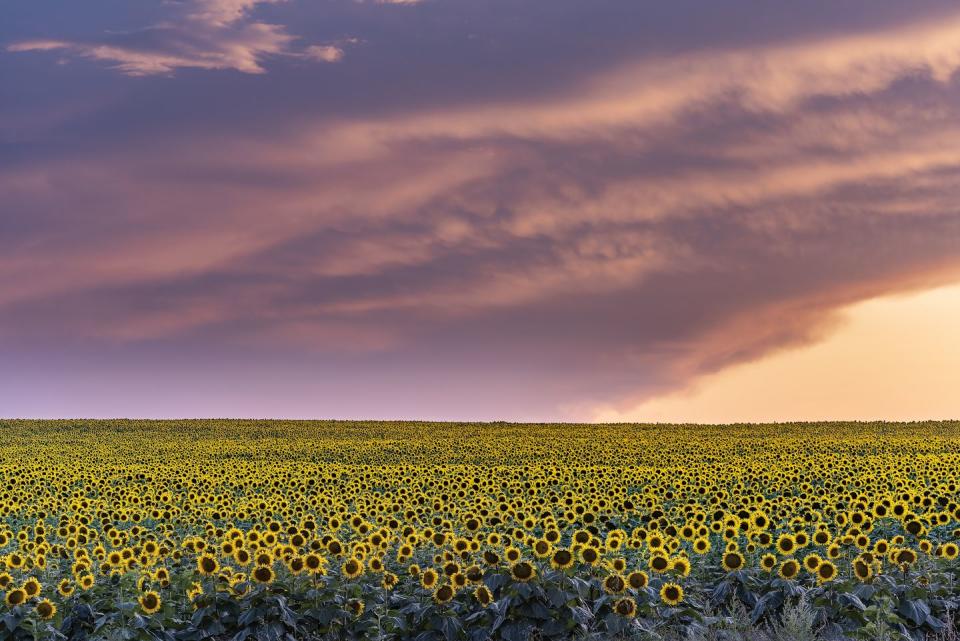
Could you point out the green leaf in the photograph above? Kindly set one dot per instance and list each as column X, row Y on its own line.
column 914, row 610
column 451, row 628
column 852, row 600
column 515, row 631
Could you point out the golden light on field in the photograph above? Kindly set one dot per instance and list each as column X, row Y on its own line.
column 892, row 357
column 206, row 525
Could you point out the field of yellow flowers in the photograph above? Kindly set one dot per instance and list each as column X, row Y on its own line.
column 276, row 530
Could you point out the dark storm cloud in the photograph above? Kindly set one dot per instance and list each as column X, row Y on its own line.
column 606, row 199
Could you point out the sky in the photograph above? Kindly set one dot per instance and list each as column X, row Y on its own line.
column 553, row 210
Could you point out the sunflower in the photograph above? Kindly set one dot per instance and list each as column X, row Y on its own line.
column 15, row 597
column 207, row 565
column 429, row 578
column 242, row 557
column 826, row 571
column 542, row 548
column 768, row 562
column 701, row 545
column 589, row 555
column 561, row 559
column 389, row 581
column 149, row 602
column 194, row 591
column 443, row 594
column 914, row 527
column 811, row 562
column 86, row 581
column 314, row 563
column 46, row 610
column 733, row 561
column 512, row 554
column 638, row 579
column 904, row 556
column 671, row 593
column 263, row 574
column 474, row 574
column 625, row 607
column 786, row 544
column 523, row 571
column 356, row 607
column 296, row 564
column 239, row 584
column 659, row 563
column 789, row 569
column 949, row 551
column 491, row 558
column 680, row 566
column 482, row 595
column 614, row 584
column 862, row 569
column 352, row 568
column 5, row 580
column 32, row 587
column 65, row 588
column 821, row 538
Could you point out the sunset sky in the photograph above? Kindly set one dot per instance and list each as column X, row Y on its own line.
column 578, row 210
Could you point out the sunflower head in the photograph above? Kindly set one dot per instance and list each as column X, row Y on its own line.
column 15, row 597
column 589, row 555
column 826, row 571
column 561, row 559
column 263, row 574
column 671, row 593
column 638, row 579
column 356, row 607
column 789, row 569
column 625, row 607
column 352, row 568
column 614, row 584
column 207, row 565
column 523, row 571
column 733, row 561
column 149, row 602
column 46, row 610
column 482, row 595
column 862, row 569
column 428, row 578
column 443, row 594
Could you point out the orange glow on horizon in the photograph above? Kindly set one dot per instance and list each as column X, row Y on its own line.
column 893, row 358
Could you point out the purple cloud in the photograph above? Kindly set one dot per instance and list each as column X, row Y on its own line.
column 614, row 235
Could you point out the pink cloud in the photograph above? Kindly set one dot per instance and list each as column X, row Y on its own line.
column 660, row 221
column 208, row 34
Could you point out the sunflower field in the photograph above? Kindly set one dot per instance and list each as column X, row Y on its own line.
column 296, row 530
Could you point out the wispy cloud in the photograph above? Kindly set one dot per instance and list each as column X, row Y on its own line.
column 326, row 53
column 206, row 34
